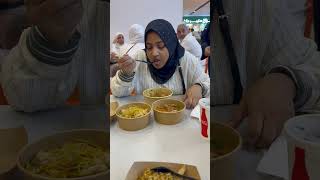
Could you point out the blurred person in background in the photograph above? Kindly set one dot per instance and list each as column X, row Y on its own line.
column 118, row 49
column 196, row 34
column 136, row 39
column 136, row 42
column 188, row 41
column 119, row 46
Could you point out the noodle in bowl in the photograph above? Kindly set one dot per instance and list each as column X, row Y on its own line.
column 74, row 155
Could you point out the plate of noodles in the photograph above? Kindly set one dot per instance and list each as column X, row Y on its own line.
column 74, row 155
column 142, row 171
column 133, row 116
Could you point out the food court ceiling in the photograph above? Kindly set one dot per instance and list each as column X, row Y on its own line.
column 190, row 5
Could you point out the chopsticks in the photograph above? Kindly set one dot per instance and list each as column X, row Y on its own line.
column 130, row 48
column 147, row 62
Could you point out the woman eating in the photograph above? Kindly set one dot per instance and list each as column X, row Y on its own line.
column 165, row 64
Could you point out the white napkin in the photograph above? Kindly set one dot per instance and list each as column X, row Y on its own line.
column 275, row 160
column 196, row 112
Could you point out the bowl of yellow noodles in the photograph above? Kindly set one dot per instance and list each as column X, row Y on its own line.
column 133, row 116
column 72, row 155
column 153, row 94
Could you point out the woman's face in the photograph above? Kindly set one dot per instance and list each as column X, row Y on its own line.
column 120, row 39
column 157, row 52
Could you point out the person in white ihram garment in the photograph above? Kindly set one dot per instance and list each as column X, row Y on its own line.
column 118, row 49
column 188, row 41
column 136, row 42
column 119, row 46
column 136, row 39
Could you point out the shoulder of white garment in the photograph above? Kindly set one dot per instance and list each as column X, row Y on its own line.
column 140, row 55
column 189, row 36
column 189, row 41
column 188, row 59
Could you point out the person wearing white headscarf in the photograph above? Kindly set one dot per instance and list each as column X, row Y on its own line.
column 119, row 46
column 136, row 39
column 136, row 43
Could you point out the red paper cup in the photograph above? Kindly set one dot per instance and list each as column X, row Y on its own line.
column 205, row 117
column 303, row 139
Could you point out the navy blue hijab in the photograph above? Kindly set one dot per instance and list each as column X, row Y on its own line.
column 168, row 35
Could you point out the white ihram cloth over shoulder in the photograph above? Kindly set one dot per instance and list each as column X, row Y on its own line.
column 136, row 39
column 191, row 69
column 30, row 85
column 265, row 37
column 191, row 44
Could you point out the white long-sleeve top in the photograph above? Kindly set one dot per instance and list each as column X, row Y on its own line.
column 191, row 44
column 31, row 85
column 266, row 36
column 191, row 70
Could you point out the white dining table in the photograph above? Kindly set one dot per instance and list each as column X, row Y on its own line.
column 45, row 123
column 246, row 162
column 180, row 143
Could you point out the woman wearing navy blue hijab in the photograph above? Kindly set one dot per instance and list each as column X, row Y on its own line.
column 167, row 65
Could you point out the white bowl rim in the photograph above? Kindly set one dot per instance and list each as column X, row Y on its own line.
column 124, row 118
column 154, row 109
column 144, row 95
column 235, row 149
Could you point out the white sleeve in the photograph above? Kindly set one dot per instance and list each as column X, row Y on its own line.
column 289, row 50
column 120, row 88
column 195, row 74
column 193, row 48
column 30, row 85
column 197, row 49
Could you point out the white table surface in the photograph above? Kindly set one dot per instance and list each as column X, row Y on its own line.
column 246, row 162
column 181, row 143
column 46, row 123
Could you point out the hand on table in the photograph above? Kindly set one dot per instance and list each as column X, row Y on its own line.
column 268, row 104
column 193, row 95
column 56, row 19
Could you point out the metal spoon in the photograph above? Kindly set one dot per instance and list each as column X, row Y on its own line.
column 147, row 62
column 166, row 170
